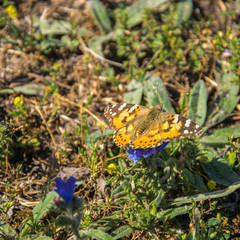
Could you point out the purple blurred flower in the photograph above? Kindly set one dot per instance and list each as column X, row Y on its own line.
column 135, row 154
column 227, row 53
column 66, row 189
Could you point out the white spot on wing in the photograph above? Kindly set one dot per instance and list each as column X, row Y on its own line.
column 176, row 118
column 113, row 114
column 186, row 131
column 132, row 108
column 187, row 124
column 122, row 107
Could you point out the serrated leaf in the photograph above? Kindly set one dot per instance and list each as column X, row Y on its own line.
column 197, row 109
column 184, row 11
column 221, row 136
column 122, row 232
column 226, row 101
column 134, row 96
column 93, row 137
column 100, row 15
column 156, row 93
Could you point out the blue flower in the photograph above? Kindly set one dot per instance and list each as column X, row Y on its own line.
column 135, row 154
column 66, row 189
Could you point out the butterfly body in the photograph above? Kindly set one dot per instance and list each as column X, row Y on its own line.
column 137, row 126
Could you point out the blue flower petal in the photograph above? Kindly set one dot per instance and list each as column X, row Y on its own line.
column 135, row 154
column 66, row 188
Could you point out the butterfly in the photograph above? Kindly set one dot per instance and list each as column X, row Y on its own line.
column 137, row 126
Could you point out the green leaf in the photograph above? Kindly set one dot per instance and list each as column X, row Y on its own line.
column 56, row 27
column 213, row 222
column 47, row 45
column 40, row 210
column 93, row 137
column 226, row 101
column 156, row 93
column 195, row 180
column 171, row 213
column 134, row 96
column 221, row 136
column 7, row 231
column 122, row 164
column 158, row 199
column 184, row 11
column 232, row 158
column 44, row 205
column 62, row 221
column 197, row 110
column 137, row 10
column 219, row 171
column 96, row 43
column 29, row 89
column 216, row 167
column 97, row 234
column 122, row 232
column 35, row 237
column 100, row 15
column 205, row 196
column 195, row 232
column 120, row 191
column 69, row 42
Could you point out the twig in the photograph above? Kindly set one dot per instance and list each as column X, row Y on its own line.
column 86, row 49
column 83, row 108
